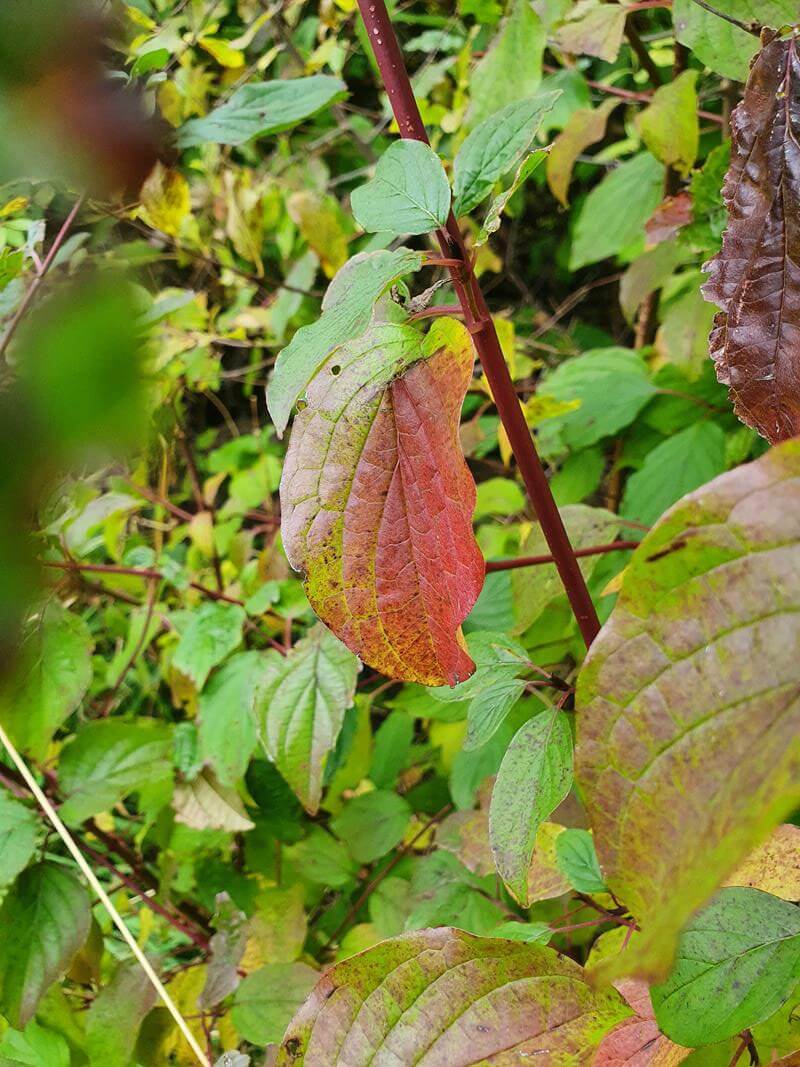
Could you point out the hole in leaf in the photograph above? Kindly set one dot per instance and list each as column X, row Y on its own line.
column 336, row 369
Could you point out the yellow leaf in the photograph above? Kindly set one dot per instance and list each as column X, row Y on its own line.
column 222, row 51
column 320, row 221
column 17, row 203
column 165, row 201
column 774, row 867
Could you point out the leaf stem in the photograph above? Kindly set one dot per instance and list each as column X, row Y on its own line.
column 101, row 894
column 479, row 321
column 535, row 561
column 748, row 27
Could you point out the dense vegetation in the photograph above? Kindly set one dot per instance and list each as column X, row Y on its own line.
column 204, row 199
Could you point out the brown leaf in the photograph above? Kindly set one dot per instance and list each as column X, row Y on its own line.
column 755, row 279
column 669, row 217
column 637, row 1041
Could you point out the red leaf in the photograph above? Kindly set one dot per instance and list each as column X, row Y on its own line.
column 755, row 279
column 377, row 501
column 637, row 1041
column 669, row 217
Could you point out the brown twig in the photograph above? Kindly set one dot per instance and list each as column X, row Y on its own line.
column 389, row 58
column 748, row 27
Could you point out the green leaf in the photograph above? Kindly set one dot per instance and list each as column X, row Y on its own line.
column 226, row 714
column 44, row 921
column 719, row 44
column 612, row 385
column 676, row 711
column 491, row 224
column 322, row 859
column 517, row 47
column 409, row 193
column 372, row 824
column 392, row 748
column 300, row 709
column 577, row 860
column 534, row 777
column 346, row 313
column 213, row 631
column 228, row 945
column 629, row 195
column 646, row 274
column 681, row 463
column 536, row 587
column 36, row 1046
column 262, row 108
column 268, row 998
column 669, row 125
column 115, row 1015
column 531, row 933
column 206, row 804
column 494, row 147
column 445, row 996
column 108, row 759
column 737, row 963
column 56, row 682
column 19, row 830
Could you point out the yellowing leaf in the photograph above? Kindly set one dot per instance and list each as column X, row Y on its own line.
column 222, row 51
column 206, row 804
column 586, row 126
column 773, row 867
column 322, row 224
column 669, row 125
column 165, row 200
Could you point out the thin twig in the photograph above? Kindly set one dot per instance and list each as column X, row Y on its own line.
column 35, row 285
column 748, row 27
column 91, row 878
column 535, row 561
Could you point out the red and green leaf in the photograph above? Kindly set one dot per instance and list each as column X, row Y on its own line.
column 377, row 500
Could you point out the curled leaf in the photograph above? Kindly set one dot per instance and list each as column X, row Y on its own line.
column 377, row 501
column 755, row 279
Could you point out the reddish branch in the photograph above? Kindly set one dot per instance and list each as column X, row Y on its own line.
column 479, row 322
column 535, row 561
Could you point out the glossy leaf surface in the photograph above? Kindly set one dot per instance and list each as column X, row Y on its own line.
column 377, row 501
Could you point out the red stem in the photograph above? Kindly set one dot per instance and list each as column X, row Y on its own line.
column 534, row 561
column 479, row 322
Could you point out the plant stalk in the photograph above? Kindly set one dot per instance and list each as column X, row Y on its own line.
column 393, row 71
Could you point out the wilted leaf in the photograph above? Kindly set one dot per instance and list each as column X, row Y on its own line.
column 586, row 126
column 671, row 215
column 444, row 996
column 346, row 313
column 494, row 215
column 737, row 962
column 410, row 192
column 44, row 921
column 19, row 830
column 108, row 759
column 466, row 835
column 494, row 147
column 755, row 279
column 266, row 1000
column 258, row 109
column 212, row 632
column 300, row 709
column 115, row 1015
column 534, row 777
column 374, row 486
column 674, row 683
column 774, row 866
column 546, row 880
column 593, row 28
column 629, row 194
column 669, row 125
column 227, row 948
column 517, row 47
column 206, row 804
column 165, row 200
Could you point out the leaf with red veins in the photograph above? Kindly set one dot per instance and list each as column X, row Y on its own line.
column 377, row 500
column 755, row 279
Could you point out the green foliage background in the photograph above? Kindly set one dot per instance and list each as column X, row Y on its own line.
column 135, row 434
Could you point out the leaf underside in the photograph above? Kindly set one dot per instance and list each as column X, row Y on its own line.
column 377, row 501
column 755, row 279
column 689, row 702
column 444, row 998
